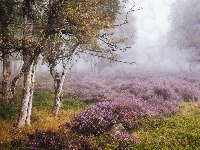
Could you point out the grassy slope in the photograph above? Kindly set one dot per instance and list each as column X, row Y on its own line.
column 181, row 131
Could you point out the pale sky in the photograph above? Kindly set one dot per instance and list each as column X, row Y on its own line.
column 152, row 19
column 152, row 25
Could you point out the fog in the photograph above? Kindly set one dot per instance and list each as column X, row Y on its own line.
column 150, row 50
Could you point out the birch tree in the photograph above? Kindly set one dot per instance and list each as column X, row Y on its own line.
column 29, row 57
column 60, row 18
column 88, row 25
column 8, row 14
column 85, row 20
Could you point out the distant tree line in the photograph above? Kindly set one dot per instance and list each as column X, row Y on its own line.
column 185, row 28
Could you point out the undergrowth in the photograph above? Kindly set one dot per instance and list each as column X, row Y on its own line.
column 179, row 131
column 41, row 115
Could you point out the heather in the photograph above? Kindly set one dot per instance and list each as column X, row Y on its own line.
column 100, row 118
column 156, row 111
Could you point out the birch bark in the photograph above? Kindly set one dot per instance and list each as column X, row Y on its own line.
column 59, row 81
column 28, row 69
column 6, row 82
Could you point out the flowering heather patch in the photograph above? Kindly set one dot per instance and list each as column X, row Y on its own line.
column 107, row 88
column 88, row 89
column 46, row 140
column 166, row 93
column 54, row 140
column 189, row 93
column 157, row 106
column 124, row 99
column 102, row 116
column 96, row 119
column 124, row 141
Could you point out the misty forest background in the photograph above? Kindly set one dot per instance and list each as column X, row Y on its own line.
column 72, row 77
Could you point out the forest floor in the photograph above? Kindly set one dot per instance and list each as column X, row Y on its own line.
column 157, row 112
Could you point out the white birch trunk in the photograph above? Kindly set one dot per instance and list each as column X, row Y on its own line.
column 26, row 94
column 59, row 86
column 28, row 70
column 29, row 110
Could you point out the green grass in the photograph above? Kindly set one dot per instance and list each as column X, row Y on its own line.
column 43, row 99
column 181, row 131
column 72, row 103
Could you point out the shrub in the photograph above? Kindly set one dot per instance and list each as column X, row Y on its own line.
column 166, row 93
column 101, row 117
column 96, row 119
column 189, row 94
column 46, row 140
column 54, row 140
column 123, row 141
column 17, row 143
column 87, row 143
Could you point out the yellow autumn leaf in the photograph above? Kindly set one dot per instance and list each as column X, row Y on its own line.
column 41, row 31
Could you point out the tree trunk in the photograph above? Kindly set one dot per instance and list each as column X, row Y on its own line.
column 13, row 85
column 30, row 61
column 31, row 94
column 1, row 68
column 27, row 92
column 57, row 98
column 6, row 88
column 58, row 90
column 14, row 67
column 6, row 83
column 59, row 81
